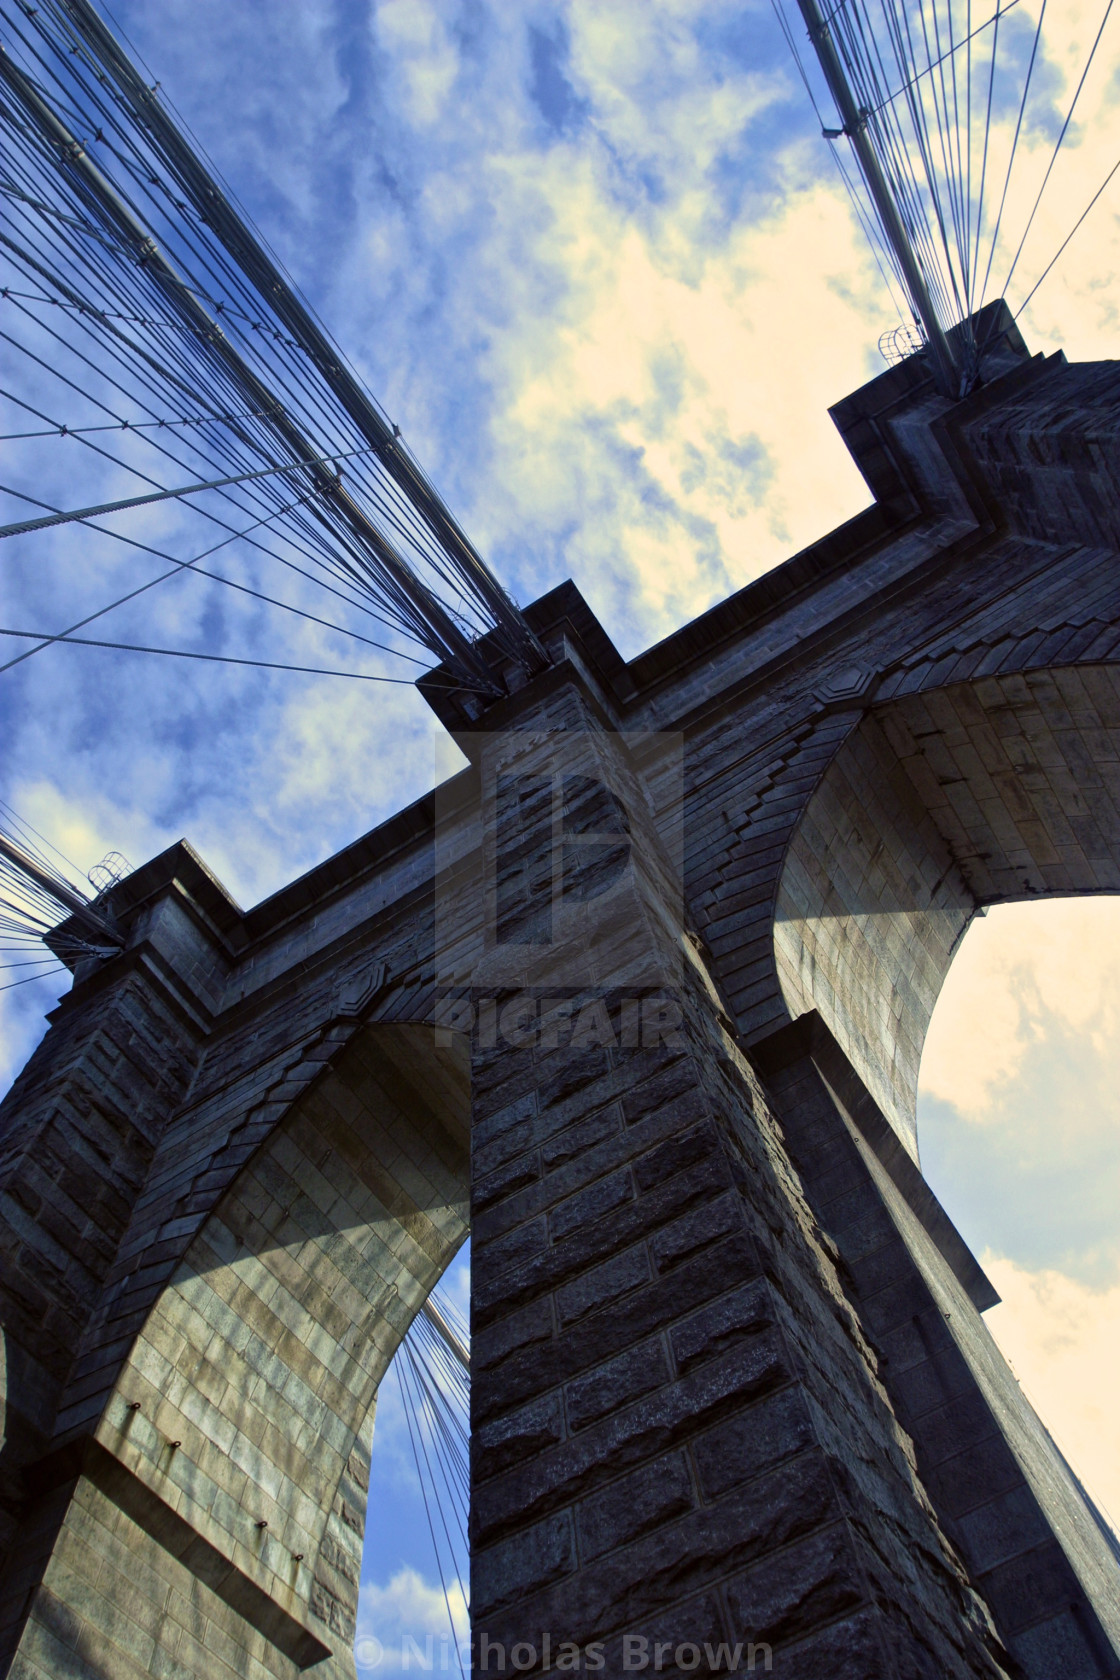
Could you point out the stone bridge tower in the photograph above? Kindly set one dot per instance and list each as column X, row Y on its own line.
column 639, row 999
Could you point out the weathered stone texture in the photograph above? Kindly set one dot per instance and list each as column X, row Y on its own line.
column 729, row 1379
column 997, row 1480
column 662, row 1282
column 234, row 1427
column 86, row 1117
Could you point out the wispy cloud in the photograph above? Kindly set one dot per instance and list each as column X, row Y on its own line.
column 1019, row 1124
column 1029, row 972
column 1063, row 1341
column 409, row 1624
column 594, row 259
column 1019, row 1128
column 602, row 322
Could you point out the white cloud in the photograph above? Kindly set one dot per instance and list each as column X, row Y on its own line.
column 612, row 341
column 660, row 100
column 1075, row 307
column 406, row 1624
column 1020, row 969
column 1019, row 1127
column 688, row 483
column 609, row 376
column 1063, row 1341
column 415, row 35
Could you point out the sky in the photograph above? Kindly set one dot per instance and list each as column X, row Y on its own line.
column 595, row 260
column 1019, row 1131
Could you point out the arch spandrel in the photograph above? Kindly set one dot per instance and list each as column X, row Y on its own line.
column 810, row 783
column 939, row 804
column 246, row 1404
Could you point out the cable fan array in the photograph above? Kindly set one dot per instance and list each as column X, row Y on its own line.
column 433, row 1371
column 39, row 889
column 956, row 126
column 158, row 349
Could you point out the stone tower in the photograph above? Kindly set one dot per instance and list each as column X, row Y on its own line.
column 638, row 999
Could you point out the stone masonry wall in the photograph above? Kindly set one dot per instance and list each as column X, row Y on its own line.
column 679, row 1431
column 1004, row 787
column 1001, row 1489
column 871, row 906
column 82, row 1124
column 693, row 1401
column 240, row 1425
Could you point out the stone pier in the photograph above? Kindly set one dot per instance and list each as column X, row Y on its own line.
column 638, row 999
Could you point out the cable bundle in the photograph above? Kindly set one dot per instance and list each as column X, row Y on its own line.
column 39, row 889
column 937, row 97
column 433, row 1370
column 156, row 333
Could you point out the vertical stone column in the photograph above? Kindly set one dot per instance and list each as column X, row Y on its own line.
column 1043, row 1558
column 683, row 1455
column 77, row 1134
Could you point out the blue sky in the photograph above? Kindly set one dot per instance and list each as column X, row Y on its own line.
column 594, row 260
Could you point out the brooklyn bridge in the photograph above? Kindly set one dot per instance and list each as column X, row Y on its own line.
column 637, row 999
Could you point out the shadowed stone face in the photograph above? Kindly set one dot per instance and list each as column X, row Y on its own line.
column 262, row 1358
column 633, row 1311
column 941, row 803
column 648, row 983
column 239, row 1426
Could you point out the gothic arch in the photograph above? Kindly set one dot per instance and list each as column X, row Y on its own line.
column 238, row 1431
column 937, row 805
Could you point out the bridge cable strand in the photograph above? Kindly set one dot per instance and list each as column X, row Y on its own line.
column 1067, row 238
column 994, row 241
column 63, row 639
column 885, row 260
column 150, row 283
column 345, row 574
column 183, row 566
column 45, row 905
column 253, row 258
column 922, row 87
column 433, row 1376
column 207, row 512
column 1058, row 143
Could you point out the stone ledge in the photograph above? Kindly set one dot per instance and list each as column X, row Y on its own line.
column 87, row 1457
column 809, row 1037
